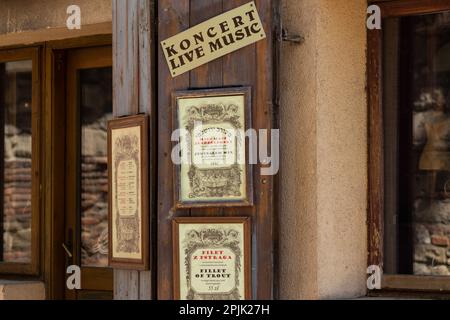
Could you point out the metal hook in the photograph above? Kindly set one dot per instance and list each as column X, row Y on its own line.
column 294, row 38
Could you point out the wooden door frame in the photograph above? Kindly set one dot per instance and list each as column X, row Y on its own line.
column 77, row 60
column 403, row 284
column 54, row 156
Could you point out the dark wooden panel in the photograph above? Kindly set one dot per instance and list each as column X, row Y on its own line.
column 173, row 17
column 240, row 70
column 97, row 279
column 209, row 75
column 264, row 118
column 251, row 66
column 376, row 201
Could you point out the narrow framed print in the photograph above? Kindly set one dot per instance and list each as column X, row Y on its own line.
column 212, row 258
column 213, row 168
column 128, row 193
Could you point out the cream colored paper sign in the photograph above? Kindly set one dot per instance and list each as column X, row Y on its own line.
column 212, row 262
column 215, row 146
column 126, row 190
column 213, row 39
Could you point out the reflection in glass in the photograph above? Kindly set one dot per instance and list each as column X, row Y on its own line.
column 417, row 142
column 15, row 162
column 95, row 111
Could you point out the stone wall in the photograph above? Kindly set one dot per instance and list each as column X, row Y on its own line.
column 17, row 197
column 94, row 208
column 432, row 237
column 431, row 183
column 94, row 192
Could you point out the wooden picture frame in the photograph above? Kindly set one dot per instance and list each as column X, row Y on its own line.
column 220, row 111
column 216, row 239
column 128, row 153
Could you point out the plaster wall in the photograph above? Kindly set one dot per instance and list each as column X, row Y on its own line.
column 323, row 207
column 29, row 21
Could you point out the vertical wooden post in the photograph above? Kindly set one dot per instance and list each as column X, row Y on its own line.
column 132, row 94
column 170, row 23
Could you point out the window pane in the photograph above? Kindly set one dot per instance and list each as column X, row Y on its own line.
column 96, row 110
column 15, row 165
column 417, row 144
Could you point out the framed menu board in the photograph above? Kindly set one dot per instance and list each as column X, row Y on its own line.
column 213, row 169
column 128, row 199
column 212, row 258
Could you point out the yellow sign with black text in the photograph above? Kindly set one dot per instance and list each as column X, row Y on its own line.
column 213, row 39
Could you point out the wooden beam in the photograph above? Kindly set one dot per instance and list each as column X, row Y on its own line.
column 133, row 93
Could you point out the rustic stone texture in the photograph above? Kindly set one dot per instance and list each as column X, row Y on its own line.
column 432, row 237
column 94, row 142
column 421, row 269
column 430, row 254
column 441, row 270
column 439, row 240
column 437, row 212
column 17, row 197
column 422, row 234
column 94, row 195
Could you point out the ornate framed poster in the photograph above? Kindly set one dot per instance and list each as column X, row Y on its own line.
column 128, row 193
column 211, row 258
column 213, row 168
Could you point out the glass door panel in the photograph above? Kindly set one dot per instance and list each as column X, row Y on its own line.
column 95, row 110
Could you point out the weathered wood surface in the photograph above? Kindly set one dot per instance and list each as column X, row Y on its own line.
column 173, row 17
column 133, row 87
column 252, row 66
column 133, row 94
